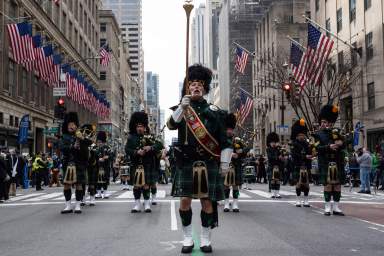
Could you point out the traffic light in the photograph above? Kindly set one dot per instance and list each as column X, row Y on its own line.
column 287, row 88
column 60, row 109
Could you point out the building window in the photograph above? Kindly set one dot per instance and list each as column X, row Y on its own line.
column 354, row 55
column 339, row 15
column 16, row 121
column 11, row 77
column 340, row 61
column 24, row 85
column 70, row 31
column 1, row 118
column 10, row 120
column 103, row 27
column 369, row 45
column 317, row 4
column 352, row 10
column 103, row 42
column 371, row 96
column 367, row 4
column 274, row 102
column 64, row 24
column 328, row 26
column 103, row 75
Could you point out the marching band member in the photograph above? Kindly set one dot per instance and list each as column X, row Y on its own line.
column 141, row 149
column 329, row 144
column 104, row 158
column 92, row 167
column 202, row 146
column 302, row 156
column 275, row 162
column 74, row 149
column 234, row 177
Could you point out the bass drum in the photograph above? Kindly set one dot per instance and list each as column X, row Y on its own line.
column 249, row 172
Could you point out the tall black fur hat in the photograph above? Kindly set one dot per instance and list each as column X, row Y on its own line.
column 272, row 137
column 137, row 118
column 201, row 73
column 299, row 127
column 102, row 136
column 70, row 117
column 330, row 113
column 230, row 121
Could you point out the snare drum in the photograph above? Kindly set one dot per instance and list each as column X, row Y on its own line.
column 124, row 171
column 249, row 172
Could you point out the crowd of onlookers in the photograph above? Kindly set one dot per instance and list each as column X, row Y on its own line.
column 24, row 171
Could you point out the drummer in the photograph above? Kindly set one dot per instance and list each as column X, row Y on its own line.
column 122, row 167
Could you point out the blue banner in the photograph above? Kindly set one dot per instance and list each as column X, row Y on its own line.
column 356, row 134
column 23, row 130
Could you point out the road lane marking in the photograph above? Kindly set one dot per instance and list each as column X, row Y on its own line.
column 260, row 193
column 286, row 193
column 126, row 194
column 44, row 197
column 173, row 216
column 374, row 228
column 18, row 198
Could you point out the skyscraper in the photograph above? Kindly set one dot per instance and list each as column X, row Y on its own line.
column 129, row 16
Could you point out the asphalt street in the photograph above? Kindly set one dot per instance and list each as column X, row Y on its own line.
column 31, row 224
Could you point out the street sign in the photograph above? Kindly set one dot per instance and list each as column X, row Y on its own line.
column 51, row 130
column 59, row 91
column 282, row 129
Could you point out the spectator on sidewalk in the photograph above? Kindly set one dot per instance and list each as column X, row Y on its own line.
column 364, row 158
column 4, row 179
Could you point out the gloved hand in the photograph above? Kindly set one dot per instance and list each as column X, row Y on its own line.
column 7, row 178
column 185, row 101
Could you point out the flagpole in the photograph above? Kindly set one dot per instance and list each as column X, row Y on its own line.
column 297, row 43
column 245, row 49
column 333, row 34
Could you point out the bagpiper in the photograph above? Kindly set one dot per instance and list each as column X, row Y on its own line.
column 104, row 158
column 92, row 169
column 329, row 144
column 142, row 149
column 302, row 160
column 234, row 177
column 74, row 149
column 203, row 147
column 275, row 164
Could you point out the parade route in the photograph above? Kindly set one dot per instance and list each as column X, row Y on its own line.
column 33, row 224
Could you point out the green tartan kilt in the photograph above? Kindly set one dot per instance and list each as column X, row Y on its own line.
column 323, row 174
column 183, row 182
column 150, row 173
column 238, row 175
column 92, row 175
column 81, row 172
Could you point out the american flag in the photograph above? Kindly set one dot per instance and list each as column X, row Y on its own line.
column 298, row 64
column 319, row 48
column 20, row 36
column 241, row 59
column 105, row 55
column 244, row 106
column 36, row 41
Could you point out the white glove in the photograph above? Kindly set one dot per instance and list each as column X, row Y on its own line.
column 185, row 101
column 7, row 178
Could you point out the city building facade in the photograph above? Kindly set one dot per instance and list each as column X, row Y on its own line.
column 129, row 17
column 151, row 98
column 272, row 110
column 360, row 24
column 72, row 28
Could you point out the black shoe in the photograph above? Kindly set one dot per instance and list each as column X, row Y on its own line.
column 206, row 249
column 91, row 204
column 226, row 210
column 66, row 211
column 298, row 205
column 306, row 205
column 1, row 201
column 187, row 249
column 361, row 192
column 134, row 211
column 39, row 189
column 148, row 210
column 338, row 213
column 327, row 213
column 368, row 192
column 154, row 203
column 273, row 197
column 236, row 210
column 77, row 211
column 82, row 204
